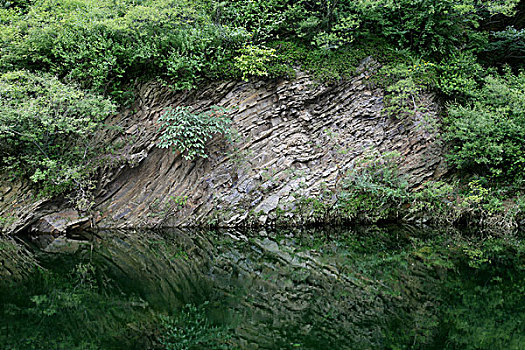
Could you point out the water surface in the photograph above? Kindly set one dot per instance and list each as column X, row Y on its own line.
column 352, row 288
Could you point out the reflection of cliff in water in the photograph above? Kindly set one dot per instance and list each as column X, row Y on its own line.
column 361, row 288
column 273, row 289
column 270, row 293
column 275, row 294
column 16, row 262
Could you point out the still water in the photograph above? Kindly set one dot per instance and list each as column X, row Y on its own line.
column 394, row 287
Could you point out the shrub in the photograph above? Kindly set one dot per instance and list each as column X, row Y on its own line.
column 103, row 45
column 506, row 47
column 325, row 65
column 253, row 61
column 46, row 129
column 486, row 135
column 460, row 75
column 404, row 83
column 436, row 198
column 200, row 53
column 188, row 132
column 373, row 190
column 262, row 19
column 428, row 27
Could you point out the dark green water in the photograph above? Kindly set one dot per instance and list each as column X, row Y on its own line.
column 355, row 288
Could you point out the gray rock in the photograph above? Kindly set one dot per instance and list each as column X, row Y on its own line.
column 289, row 130
column 268, row 204
column 59, row 222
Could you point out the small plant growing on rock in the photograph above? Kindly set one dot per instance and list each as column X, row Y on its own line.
column 374, row 189
column 188, row 132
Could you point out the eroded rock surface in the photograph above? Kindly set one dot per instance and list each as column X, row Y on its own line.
column 296, row 138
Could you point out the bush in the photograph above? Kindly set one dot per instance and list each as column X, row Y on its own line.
column 201, row 53
column 506, row 47
column 46, row 129
column 325, row 65
column 262, row 19
column 460, row 75
column 404, row 84
column 436, row 199
column 486, row 135
column 188, row 132
column 253, row 61
column 373, row 190
column 103, row 45
column 429, row 27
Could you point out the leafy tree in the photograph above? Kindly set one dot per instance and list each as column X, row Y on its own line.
column 429, row 27
column 487, row 135
column 46, row 128
column 506, row 47
column 103, row 45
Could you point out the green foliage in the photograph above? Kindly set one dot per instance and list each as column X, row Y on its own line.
column 188, row 132
column 321, row 23
column 46, row 129
column 404, row 84
column 311, row 210
column 102, row 45
column 436, row 198
column 253, row 61
column 373, row 190
column 485, row 310
column 459, row 75
column 324, row 65
column 506, row 47
column 487, row 134
column 15, row 4
column 82, row 282
column 426, row 26
column 208, row 52
column 429, row 27
column 105, row 46
column 190, row 329
column 262, row 19
column 340, row 34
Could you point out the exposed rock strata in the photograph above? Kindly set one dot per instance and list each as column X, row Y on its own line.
column 295, row 139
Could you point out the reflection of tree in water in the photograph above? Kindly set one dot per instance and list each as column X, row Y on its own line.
column 311, row 289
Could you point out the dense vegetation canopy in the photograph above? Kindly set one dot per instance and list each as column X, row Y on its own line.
column 66, row 64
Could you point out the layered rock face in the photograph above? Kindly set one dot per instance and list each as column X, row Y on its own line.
column 295, row 139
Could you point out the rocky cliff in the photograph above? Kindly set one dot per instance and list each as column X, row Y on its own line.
column 295, row 139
